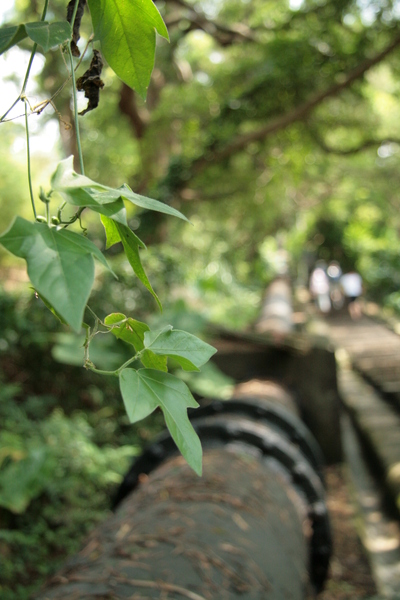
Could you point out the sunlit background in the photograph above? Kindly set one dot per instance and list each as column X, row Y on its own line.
column 299, row 194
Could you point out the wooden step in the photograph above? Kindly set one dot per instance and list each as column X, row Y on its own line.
column 378, row 425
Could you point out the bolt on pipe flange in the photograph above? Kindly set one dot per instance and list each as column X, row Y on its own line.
column 275, row 416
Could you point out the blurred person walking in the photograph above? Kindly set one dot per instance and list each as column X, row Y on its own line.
column 334, row 273
column 319, row 288
column 352, row 286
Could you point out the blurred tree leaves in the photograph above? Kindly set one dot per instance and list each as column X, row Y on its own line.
column 233, row 69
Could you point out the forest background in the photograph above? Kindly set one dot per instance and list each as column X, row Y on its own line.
column 272, row 126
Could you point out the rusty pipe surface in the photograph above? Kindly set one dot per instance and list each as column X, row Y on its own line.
column 240, row 531
column 255, row 526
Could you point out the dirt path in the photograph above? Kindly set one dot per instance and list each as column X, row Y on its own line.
column 350, row 575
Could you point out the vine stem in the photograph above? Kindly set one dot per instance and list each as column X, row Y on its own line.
column 78, row 136
column 43, row 17
column 94, row 314
column 76, row 120
column 22, row 97
column 28, row 159
column 89, row 365
column 74, row 13
column 117, row 371
column 28, row 70
column 10, row 109
column 25, row 100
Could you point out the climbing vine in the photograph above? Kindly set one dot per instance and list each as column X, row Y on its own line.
column 60, row 262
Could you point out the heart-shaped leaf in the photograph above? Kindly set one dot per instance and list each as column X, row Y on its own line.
column 49, row 35
column 127, row 33
column 11, row 36
column 144, row 390
column 60, row 265
column 43, row 33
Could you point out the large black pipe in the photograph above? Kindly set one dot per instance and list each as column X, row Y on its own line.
column 303, row 364
column 255, row 526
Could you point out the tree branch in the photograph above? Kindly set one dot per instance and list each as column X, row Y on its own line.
column 370, row 143
column 127, row 105
column 222, row 34
column 297, row 114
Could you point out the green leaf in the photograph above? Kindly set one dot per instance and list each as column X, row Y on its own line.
column 132, row 332
column 113, row 210
column 127, row 34
column 43, row 33
column 49, row 35
column 127, row 329
column 131, row 245
column 65, row 178
column 112, row 235
column 149, row 203
column 79, row 190
column 154, row 361
column 144, row 390
column 187, row 349
column 60, row 265
column 10, row 36
column 51, row 309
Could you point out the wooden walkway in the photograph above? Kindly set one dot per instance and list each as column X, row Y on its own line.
column 368, row 356
column 369, row 384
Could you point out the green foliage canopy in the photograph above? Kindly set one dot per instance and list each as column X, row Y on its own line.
column 60, row 262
